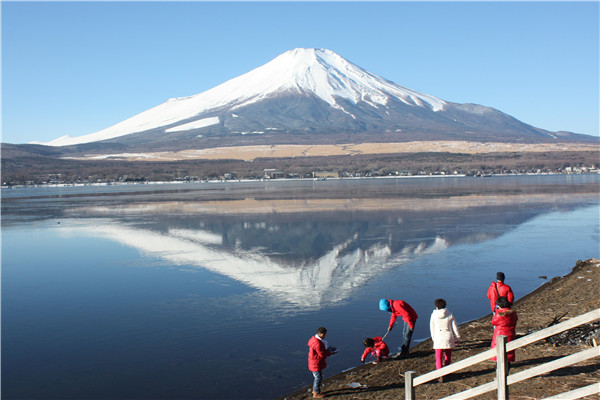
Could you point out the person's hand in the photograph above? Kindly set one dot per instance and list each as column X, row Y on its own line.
column 362, row 360
column 390, row 328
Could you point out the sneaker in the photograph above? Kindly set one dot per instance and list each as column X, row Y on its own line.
column 318, row 395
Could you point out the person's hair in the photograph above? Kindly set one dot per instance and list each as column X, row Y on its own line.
column 440, row 303
column 503, row 302
column 321, row 331
column 368, row 342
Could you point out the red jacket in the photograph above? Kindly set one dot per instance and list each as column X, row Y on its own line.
column 404, row 310
column 505, row 323
column 317, row 353
column 503, row 289
column 379, row 349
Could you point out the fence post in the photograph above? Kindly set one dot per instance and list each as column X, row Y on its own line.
column 409, row 389
column 501, row 367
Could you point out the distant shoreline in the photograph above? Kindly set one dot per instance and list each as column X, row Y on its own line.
column 233, row 181
column 22, row 165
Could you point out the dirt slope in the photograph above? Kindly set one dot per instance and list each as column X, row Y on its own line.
column 573, row 294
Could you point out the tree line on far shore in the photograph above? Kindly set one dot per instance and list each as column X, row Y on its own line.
column 21, row 169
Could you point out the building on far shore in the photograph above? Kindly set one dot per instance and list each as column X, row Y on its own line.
column 270, row 173
column 325, row 174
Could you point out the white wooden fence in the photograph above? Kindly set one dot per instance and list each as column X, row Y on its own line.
column 502, row 380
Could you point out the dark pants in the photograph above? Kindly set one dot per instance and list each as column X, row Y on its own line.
column 318, row 375
column 407, row 336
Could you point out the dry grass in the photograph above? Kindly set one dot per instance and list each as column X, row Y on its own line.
column 248, row 153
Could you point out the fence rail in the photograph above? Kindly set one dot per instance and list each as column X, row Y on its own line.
column 501, row 349
column 577, row 393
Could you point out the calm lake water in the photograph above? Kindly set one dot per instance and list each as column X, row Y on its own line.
column 211, row 290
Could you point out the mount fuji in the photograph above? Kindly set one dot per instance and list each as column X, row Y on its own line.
column 307, row 95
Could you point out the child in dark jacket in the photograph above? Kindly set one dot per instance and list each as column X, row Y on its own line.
column 376, row 347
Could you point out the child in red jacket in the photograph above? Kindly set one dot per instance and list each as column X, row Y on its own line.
column 318, row 351
column 505, row 323
column 377, row 347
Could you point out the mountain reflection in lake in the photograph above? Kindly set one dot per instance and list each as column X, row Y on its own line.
column 239, row 275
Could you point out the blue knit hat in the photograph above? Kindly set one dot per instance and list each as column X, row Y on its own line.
column 384, row 305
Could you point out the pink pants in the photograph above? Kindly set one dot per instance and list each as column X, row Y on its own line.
column 443, row 357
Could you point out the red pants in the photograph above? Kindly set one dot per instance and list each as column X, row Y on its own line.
column 443, row 357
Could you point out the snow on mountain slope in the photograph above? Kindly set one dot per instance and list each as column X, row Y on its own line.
column 319, row 72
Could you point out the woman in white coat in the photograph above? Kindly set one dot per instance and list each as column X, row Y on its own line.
column 444, row 334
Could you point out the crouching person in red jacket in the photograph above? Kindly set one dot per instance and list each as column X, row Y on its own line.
column 377, row 347
column 318, row 351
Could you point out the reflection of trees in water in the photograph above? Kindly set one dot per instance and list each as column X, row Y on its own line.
column 300, row 239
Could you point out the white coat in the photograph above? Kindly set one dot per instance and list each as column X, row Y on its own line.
column 443, row 329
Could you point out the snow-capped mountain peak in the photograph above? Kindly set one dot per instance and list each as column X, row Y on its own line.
column 317, row 72
column 324, row 73
column 308, row 95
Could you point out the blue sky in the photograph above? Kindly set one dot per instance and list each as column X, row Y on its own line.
column 78, row 67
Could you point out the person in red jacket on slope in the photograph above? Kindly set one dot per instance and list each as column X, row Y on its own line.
column 505, row 323
column 409, row 316
column 318, row 351
column 377, row 347
column 499, row 289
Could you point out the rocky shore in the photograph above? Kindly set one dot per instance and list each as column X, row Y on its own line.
column 558, row 300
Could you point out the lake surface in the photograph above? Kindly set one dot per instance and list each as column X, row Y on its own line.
column 212, row 290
